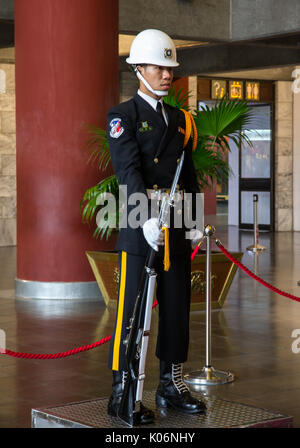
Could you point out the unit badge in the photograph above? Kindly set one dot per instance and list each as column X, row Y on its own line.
column 145, row 127
column 168, row 53
column 115, row 128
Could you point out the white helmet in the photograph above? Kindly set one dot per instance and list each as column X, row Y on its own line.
column 153, row 47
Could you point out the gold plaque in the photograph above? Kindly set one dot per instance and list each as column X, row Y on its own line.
column 252, row 90
column 218, row 88
column 106, row 271
column 236, row 90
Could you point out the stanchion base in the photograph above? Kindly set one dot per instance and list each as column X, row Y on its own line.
column 257, row 248
column 219, row 414
column 208, row 376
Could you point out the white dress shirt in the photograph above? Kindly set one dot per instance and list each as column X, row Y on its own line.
column 153, row 103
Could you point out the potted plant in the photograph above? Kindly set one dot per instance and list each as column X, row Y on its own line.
column 227, row 118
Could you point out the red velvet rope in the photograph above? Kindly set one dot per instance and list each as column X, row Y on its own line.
column 107, row 338
column 69, row 352
column 196, row 250
column 57, row 355
column 251, row 274
column 61, row 354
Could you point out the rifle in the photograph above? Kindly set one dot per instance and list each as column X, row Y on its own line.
column 139, row 324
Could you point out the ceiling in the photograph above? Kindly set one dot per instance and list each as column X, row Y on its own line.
column 268, row 58
column 125, row 41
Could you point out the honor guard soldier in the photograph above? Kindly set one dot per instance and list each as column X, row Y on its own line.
column 146, row 141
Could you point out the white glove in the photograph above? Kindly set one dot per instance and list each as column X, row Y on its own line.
column 154, row 236
column 195, row 235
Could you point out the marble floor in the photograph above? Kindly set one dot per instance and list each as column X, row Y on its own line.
column 252, row 336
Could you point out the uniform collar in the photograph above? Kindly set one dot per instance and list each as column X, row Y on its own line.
column 152, row 101
column 169, row 112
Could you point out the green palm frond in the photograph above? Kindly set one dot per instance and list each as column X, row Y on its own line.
column 90, row 201
column 103, row 228
column 97, row 144
column 227, row 118
column 209, row 164
column 177, row 100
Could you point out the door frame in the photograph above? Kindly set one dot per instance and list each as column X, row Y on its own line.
column 260, row 184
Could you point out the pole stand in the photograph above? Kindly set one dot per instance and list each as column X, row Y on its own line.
column 256, row 247
column 208, row 376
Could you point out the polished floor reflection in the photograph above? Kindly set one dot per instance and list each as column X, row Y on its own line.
column 251, row 336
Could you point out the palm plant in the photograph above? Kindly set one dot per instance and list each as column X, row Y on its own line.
column 227, row 118
column 178, row 99
column 97, row 144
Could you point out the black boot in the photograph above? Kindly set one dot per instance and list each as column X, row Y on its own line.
column 173, row 392
column 115, row 398
column 144, row 415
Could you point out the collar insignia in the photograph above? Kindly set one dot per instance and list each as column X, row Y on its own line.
column 145, row 127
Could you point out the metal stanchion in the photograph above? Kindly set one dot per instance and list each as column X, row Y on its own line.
column 208, row 376
column 255, row 247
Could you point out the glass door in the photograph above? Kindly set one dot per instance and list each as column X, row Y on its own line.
column 256, row 170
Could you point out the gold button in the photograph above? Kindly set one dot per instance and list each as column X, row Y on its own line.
column 155, row 187
column 179, row 212
column 156, row 160
column 178, row 160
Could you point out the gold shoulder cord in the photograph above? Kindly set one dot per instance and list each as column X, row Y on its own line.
column 190, row 131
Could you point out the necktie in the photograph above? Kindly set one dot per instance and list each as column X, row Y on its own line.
column 159, row 111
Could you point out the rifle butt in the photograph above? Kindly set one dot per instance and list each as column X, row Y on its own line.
column 126, row 408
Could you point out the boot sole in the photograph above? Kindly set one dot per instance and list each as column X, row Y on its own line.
column 163, row 403
column 139, row 420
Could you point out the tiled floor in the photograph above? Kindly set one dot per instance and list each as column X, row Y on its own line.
column 251, row 336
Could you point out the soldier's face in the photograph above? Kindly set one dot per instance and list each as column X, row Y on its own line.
column 159, row 78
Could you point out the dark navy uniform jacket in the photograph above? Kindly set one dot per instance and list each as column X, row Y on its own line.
column 144, row 155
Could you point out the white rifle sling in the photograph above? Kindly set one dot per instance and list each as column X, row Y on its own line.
column 145, row 338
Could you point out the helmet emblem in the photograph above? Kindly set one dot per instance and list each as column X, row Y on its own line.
column 168, row 53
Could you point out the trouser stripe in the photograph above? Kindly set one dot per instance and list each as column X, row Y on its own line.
column 116, row 350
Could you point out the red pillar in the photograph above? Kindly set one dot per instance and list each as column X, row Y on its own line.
column 66, row 56
column 183, row 84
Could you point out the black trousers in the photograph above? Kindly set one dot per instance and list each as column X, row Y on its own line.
column 173, row 295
